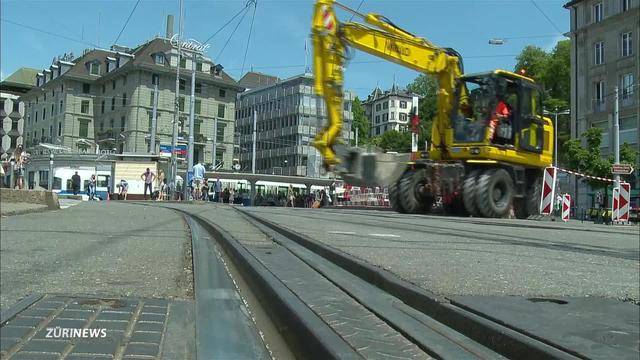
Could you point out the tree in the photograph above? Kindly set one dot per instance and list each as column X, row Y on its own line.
column 360, row 121
column 533, row 60
column 394, row 140
column 426, row 86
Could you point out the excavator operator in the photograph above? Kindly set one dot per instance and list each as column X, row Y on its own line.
column 502, row 114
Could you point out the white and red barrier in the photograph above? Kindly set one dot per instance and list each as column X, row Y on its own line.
column 615, row 204
column 369, row 197
column 548, row 190
column 624, row 196
column 566, row 207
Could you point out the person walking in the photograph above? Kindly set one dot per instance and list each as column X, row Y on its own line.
column 75, row 183
column 232, row 195
column 148, row 177
column 291, row 197
column 198, row 178
column 20, row 157
column 92, row 187
column 218, row 189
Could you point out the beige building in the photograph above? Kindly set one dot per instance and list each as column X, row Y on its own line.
column 388, row 110
column 604, row 54
column 106, row 96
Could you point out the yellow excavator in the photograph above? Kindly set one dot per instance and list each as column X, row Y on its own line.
column 489, row 140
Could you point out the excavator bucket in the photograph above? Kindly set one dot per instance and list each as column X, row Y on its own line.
column 368, row 169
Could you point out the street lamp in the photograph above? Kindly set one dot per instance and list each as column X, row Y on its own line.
column 50, row 182
column 555, row 131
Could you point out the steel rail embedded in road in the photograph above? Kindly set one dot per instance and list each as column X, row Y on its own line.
column 442, row 329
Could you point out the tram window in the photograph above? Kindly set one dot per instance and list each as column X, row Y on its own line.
column 57, row 183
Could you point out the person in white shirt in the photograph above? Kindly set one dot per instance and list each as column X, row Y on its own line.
column 198, row 177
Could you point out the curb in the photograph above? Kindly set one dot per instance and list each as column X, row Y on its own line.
column 306, row 334
column 25, row 211
column 498, row 337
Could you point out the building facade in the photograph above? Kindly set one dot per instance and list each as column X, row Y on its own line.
column 12, row 110
column 289, row 115
column 604, row 54
column 388, row 110
column 107, row 97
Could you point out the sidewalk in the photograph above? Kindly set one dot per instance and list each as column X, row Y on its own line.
column 8, row 209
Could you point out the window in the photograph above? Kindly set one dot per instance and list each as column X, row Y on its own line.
column 84, row 106
column 155, row 79
column 94, row 68
column 403, row 117
column 599, row 96
column 183, row 83
column 403, row 104
column 626, row 88
column 385, row 117
column 378, row 107
column 151, row 98
column 220, row 132
column 59, row 129
column 53, row 109
column 159, row 59
column 102, row 107
column 36, row 118
column 124, row 99
column 86, row 88
column 113, row 85
column 124, row 80
column 597, row 12
column 627, row 44
column 122, row 123
column 598, row 53
column 50, row 131
column 104, row 88
column 393, row 116
column 198, row 66
column 113, row 103
column 183, row 62
column 198, row 88
column 221, row 110
column 83, row 130
column 393, row 103
column 222, row 93
column 197, row 106
column 61, row 107
column 625, row 5
column 385, row 105
column 44, row 114
column 181, row 103
column 377, row 119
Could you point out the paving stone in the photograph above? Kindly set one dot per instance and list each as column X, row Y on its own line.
column 157, row 302
column 48, row 305
column 6, row 343
column 34, row 356
column 56, row 298
column 154, row 310
column 96, row 346
column 142, row 349
column 14, row 331
column 75, row 314
column 24, row 321
column 73, row 356
column 148, row 326
column 110, row 325
column 146, row 336
column 152, row 317
column 46, row 346
column 66, row 323
column 37, row 312
column 111, row 316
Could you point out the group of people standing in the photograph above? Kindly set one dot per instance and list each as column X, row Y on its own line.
column 19, row 159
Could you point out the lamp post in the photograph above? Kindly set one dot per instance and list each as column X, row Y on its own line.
column 555, row 131
column 50, row 177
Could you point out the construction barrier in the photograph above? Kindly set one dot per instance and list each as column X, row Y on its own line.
column 624, row 196
column 566, row 207
column 615, row 204
column 365, row 197
column 548, row 190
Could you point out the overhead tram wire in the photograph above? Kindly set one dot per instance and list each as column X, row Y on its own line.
column 127, row 21
column 547, row 17
column 231, row 35
column 246, row 50
column 227, row 23
column 358, row 8
column 49, row 33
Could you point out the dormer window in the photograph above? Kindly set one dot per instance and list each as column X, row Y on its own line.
column 158, row 58
column 94, row 68
column 217, row 70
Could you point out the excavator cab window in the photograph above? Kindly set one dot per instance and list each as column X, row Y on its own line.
column 531, row 125
column 476, row 96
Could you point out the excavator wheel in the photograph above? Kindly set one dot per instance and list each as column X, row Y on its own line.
column 469, row 192
column 394, row 198
column 413, row 198
column 533, row 196
column 494, row 193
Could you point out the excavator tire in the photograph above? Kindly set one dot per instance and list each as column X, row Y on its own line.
column 394, row 198
column 533, row 197
column 469, row 192
column 494, row 193
column 413, row 202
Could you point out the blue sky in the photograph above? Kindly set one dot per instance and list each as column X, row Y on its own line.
column 279, row 31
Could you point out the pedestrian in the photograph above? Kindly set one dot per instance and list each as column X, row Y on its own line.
column 124, row 189
column 198, row 178
column 232, row 195
column 2, row 172
column 178, row 196
column 291, row 197
column 92, row 187
column 204, row 192
column 225, row 195
column 163, row 190
column 75, row 183
column 20, row 157
column 148, row 177
column 218, row 189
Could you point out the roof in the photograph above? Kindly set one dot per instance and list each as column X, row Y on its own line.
column 571, row 3
column 377, row 93
column 254, row 80
column 24, row 75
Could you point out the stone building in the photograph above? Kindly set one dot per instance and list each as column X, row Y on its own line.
column 388, row 110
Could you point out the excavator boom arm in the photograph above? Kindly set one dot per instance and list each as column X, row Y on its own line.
column 331, row 41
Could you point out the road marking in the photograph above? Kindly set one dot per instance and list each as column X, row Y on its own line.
column 384, row 235
column 342, row 232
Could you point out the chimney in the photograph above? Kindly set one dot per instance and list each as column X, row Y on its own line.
column 169, row 26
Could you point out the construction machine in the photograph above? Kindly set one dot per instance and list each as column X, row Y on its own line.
column 489, row 140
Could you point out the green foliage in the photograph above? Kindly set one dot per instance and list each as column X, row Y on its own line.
column 534, row 61
column 360, row 121
column 396, row 141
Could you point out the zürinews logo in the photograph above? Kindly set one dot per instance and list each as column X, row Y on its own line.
column 74, row 333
